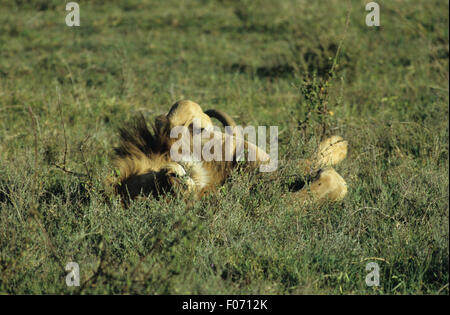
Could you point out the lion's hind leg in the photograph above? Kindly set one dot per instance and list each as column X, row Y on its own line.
column 328, row 185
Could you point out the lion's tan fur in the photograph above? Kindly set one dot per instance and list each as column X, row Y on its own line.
column 145, row 166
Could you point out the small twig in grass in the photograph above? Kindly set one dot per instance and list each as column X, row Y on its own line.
column 63, row 126
column 323, row 93
column 51, row 246
column 33, row 118
column 64, row 165
column 374, row 258
column 338, row 51
column 62, row 168
column 88, row 171
column 442, row 289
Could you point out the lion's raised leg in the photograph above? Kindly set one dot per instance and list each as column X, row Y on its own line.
column 331, row 151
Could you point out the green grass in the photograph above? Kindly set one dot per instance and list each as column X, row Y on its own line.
column 65, row 91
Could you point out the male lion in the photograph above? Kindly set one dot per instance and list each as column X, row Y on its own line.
column 146, row 166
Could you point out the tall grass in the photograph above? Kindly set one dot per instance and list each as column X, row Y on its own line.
column 296, row 64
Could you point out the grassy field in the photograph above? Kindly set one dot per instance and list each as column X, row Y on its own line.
column 64, row 91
